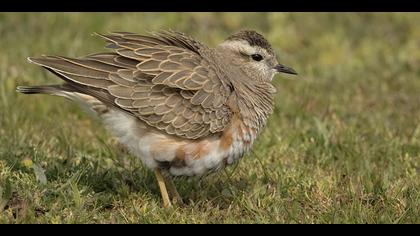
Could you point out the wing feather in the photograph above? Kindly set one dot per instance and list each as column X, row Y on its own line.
column 162, row 79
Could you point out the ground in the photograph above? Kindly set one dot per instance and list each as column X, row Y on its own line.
column 343, row 144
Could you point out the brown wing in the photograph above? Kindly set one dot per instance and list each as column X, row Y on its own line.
column 161, row 79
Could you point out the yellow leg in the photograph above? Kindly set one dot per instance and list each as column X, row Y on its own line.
column 176, row 198
column 162, row 187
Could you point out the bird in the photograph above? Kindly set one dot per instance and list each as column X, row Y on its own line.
column 181, row 107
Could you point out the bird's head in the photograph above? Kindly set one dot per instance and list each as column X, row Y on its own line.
column 253, row 54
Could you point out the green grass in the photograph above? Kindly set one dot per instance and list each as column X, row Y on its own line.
column 343, row 145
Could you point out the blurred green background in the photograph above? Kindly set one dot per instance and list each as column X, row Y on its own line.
column 342, row 146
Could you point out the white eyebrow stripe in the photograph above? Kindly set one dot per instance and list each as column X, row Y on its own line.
column 243, row 46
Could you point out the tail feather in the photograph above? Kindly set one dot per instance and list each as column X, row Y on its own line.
column 44, row 89
column 90, row 104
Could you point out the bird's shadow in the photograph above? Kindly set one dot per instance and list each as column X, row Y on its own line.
column 127, row 175
column 216, row 189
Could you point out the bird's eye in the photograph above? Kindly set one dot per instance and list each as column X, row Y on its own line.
column 256, row 57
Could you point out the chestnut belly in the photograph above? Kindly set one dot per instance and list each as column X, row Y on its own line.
column 182, row 157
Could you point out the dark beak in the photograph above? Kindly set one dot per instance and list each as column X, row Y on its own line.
column 284, row 69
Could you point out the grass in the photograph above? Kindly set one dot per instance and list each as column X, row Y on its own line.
column 343, row 145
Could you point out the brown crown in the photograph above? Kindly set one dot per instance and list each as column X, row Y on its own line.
column 253, row 38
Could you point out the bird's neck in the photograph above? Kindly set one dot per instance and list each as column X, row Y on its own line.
column 252, row 99
column 255, row 104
